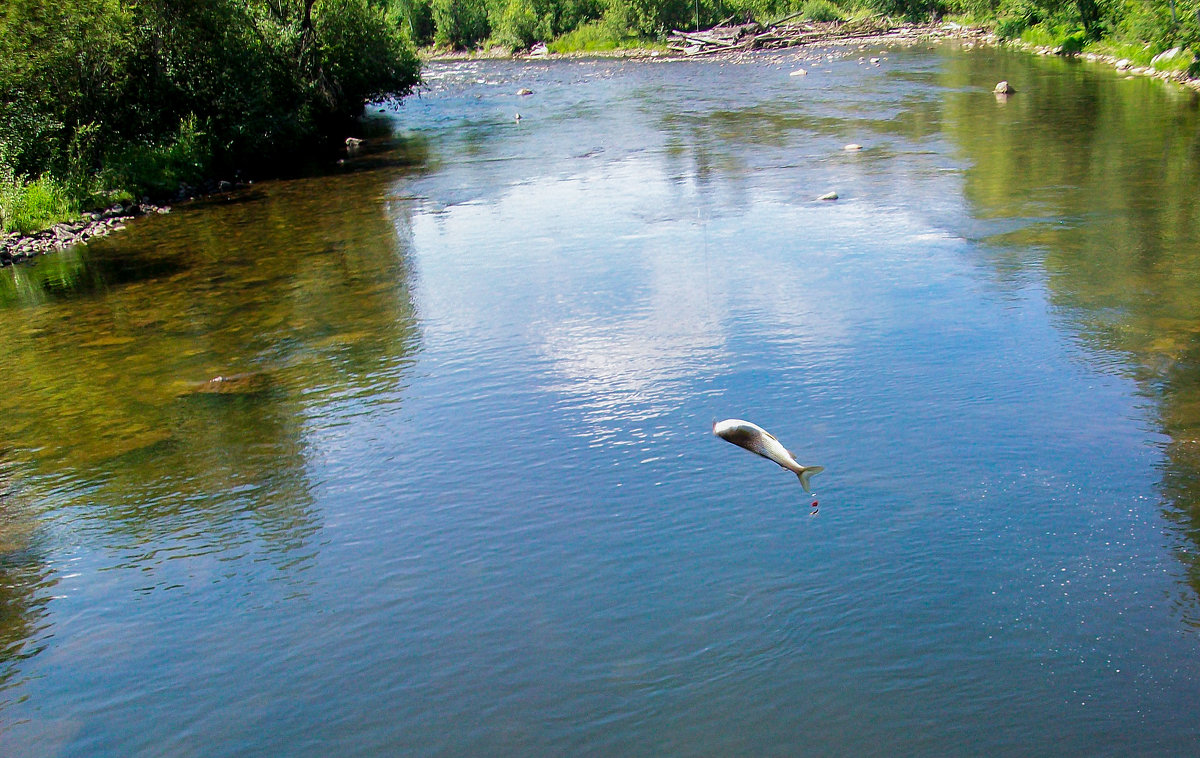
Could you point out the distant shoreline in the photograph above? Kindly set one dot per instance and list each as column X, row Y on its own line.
column 18, row 248
column 829, row 34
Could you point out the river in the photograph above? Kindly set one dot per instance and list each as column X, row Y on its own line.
column 455, row 491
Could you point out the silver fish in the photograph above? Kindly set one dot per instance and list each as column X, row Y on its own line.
column 758, row 440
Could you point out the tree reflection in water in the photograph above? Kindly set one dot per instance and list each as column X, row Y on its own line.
column 1113, row 168
column 296, row 294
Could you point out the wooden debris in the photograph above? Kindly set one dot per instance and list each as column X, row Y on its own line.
column 790, row 31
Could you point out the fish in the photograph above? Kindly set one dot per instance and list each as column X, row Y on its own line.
column 761, row 442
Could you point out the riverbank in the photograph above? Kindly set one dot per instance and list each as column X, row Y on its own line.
column 731, row 43
column 16, row 247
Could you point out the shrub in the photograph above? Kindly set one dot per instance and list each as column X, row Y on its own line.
column 593, row 36
column 821, row 11
column 415, row 18
column 87, row 85
column 28, row 206
column 460, row 24
column 516, row 25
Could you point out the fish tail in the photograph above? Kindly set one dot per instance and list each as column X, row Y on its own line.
column 807, row 472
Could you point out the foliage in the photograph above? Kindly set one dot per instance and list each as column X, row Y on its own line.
column 517, row 25
column 594, row 36
column 144, row 94
column 821, row 10
column 460, row 23
column 29, row 206
column 415, row 18
column 148, row 92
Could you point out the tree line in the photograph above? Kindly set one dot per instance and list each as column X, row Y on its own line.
column 137, row 96
column 141, row 95
column 1160, row 24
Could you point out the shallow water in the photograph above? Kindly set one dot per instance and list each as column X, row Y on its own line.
column 458, row 495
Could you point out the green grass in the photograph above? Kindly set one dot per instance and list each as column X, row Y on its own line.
column 596, row 36
column 30, row 206
column 1137, row 53
column 821, row 11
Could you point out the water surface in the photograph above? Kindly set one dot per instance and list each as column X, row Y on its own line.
column 458, row 496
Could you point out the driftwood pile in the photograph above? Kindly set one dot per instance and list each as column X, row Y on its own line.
column 789, row 31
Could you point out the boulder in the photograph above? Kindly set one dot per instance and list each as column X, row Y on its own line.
column 1166, row 56
column 829, row 196
column 1004, row 88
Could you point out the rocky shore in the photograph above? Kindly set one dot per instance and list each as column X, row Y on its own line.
column 16, row 247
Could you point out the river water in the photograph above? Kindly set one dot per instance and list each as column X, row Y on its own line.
column 457, row 494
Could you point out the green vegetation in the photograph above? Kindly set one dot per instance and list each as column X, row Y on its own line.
column 98, row 96
column 107, row 98
column 29, row 206
column 1143, row 28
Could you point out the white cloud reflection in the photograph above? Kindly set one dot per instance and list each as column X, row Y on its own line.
column 630, row 300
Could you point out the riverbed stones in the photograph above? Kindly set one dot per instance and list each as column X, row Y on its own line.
column 15, row 247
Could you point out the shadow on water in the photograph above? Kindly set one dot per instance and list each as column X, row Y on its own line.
column 170, row 379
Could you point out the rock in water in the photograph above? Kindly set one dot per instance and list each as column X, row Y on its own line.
column 852, row 147
column 1004, row 88
column 252, row 383
column 829, row 196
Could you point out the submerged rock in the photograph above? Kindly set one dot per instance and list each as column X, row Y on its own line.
column 250, row 383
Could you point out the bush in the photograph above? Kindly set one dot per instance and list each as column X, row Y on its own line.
column 459, row 24
column 108, row 88
column 593, row 36
column 821, row 11
column 517, row 26
column 28, row 206
column 415, row 18
column 1072, row 44
column 1011, row 27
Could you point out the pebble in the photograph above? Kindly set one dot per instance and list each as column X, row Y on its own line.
column 15, row 247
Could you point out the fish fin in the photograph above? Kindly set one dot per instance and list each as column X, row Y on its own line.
column 807, row 473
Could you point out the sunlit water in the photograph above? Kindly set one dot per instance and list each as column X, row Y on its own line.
column 460, row 496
